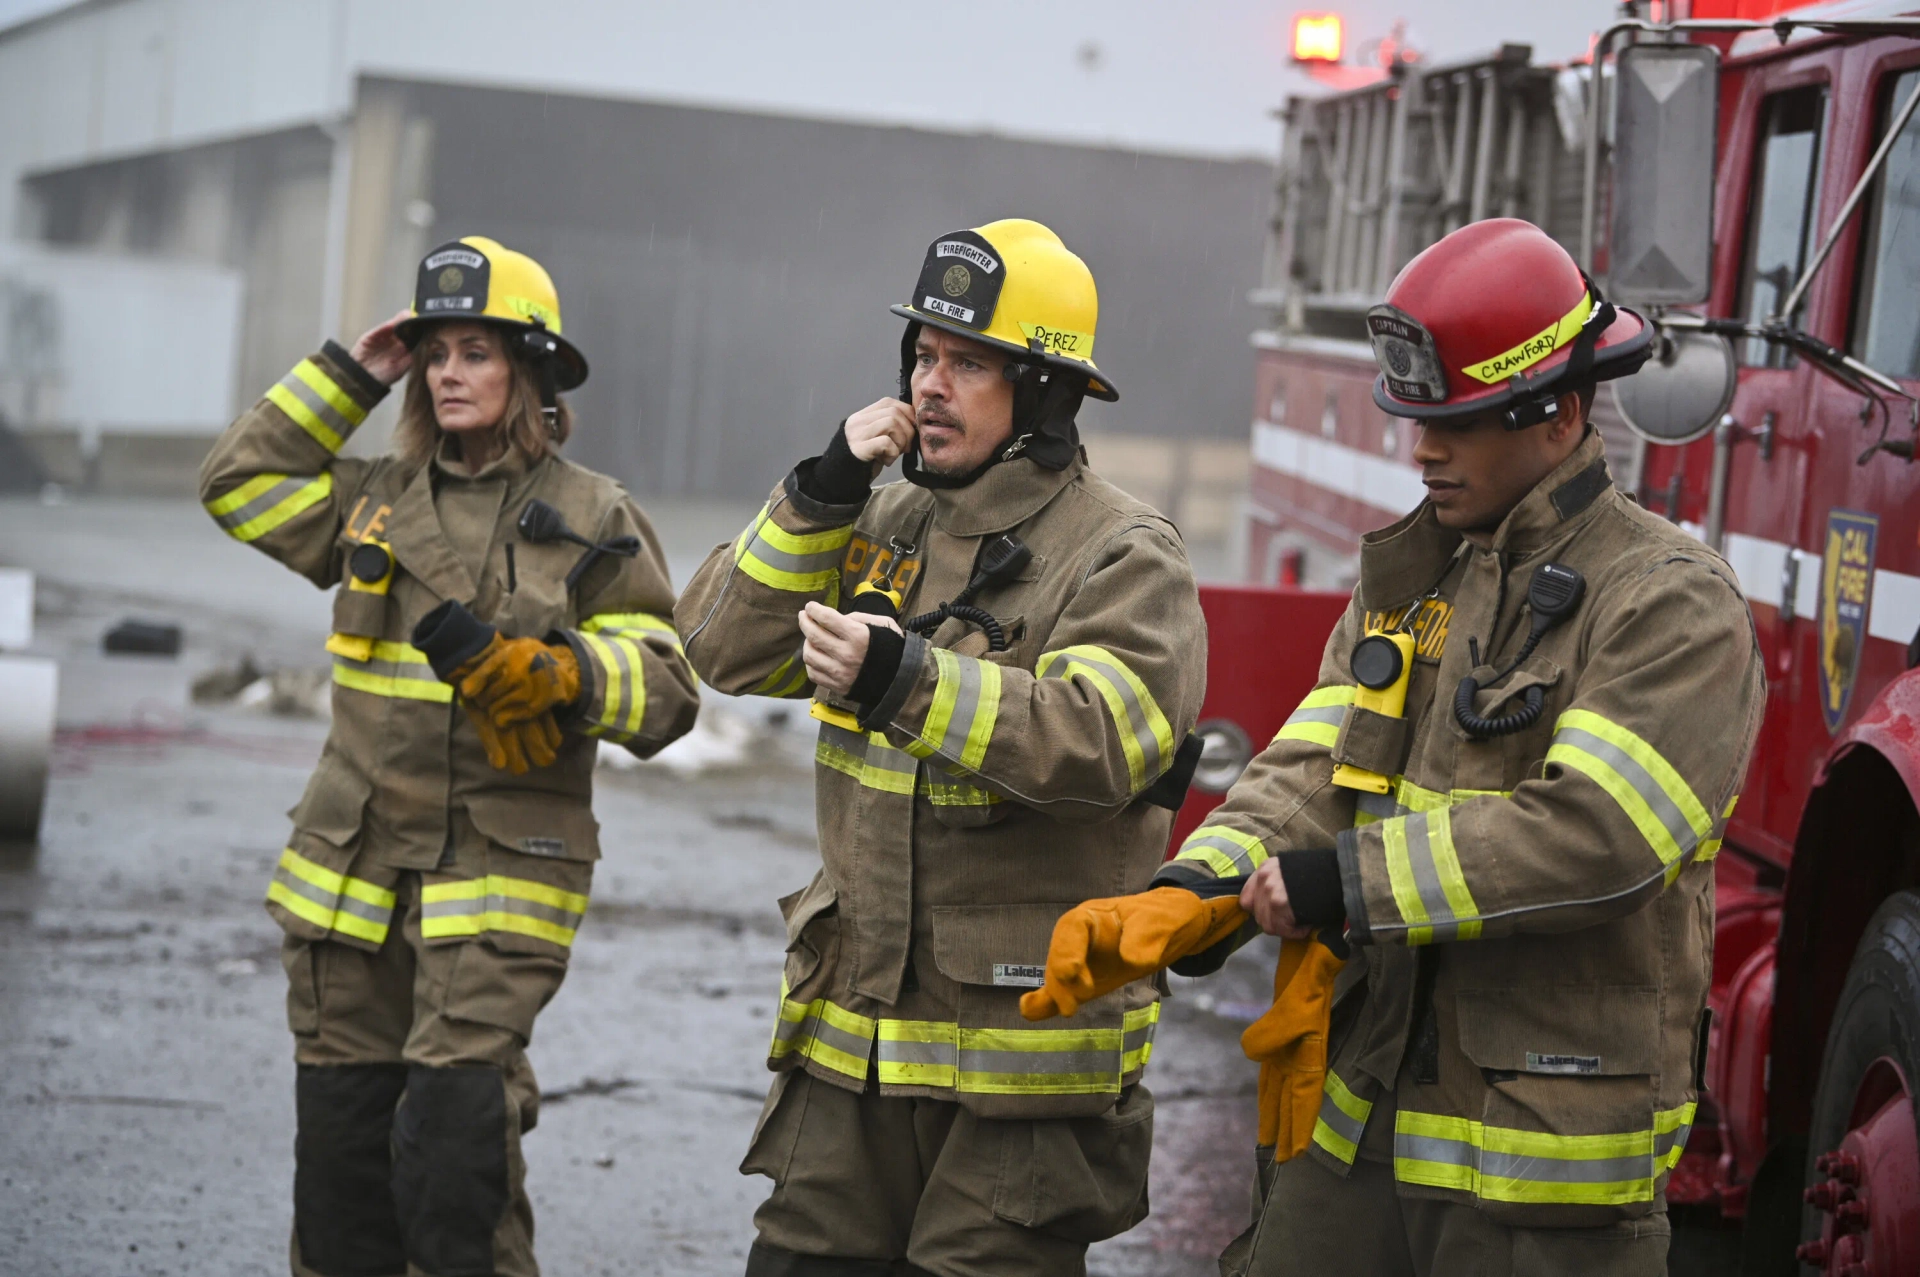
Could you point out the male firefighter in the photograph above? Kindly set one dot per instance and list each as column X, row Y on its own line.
column 1517, row 852
column 982, row 766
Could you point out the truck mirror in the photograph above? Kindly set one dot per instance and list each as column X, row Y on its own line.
column 1665, row 130
column 1681, row 392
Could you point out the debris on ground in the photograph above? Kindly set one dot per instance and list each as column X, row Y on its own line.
column 143, row 638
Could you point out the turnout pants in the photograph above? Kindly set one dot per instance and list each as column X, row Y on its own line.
column 867, row 1185
column 413, row 1090
column 1308, row 1222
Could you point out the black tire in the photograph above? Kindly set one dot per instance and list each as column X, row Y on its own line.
column 1878, row 1015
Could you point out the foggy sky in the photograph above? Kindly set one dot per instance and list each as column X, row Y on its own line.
column 1195, row 77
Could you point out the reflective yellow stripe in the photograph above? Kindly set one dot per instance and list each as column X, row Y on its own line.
column 646, row 622
column 942, row 1054
column 1654, row 796
column 1317, row 720
column 966, row 705
column 332, row 901
column 1423, row 872
column 317, row 405
column 1406, row 798
column 395, row 669
column 788, row 680
column 266, row 501
column 801, row 562
column 1342, row 1120
column 471, row 906
column 620, row 693
column 869, row 759
column 1145, row 738
column 1534, row 349
column 1503, row 1164
column 1225, row 850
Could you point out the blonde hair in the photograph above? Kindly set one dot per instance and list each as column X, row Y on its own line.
column 417, row 436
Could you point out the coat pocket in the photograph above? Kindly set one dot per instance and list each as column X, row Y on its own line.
column 813, row 939
column 1007, row 1067
column 532, row 823
column 335, row 802
column 1569, row 1136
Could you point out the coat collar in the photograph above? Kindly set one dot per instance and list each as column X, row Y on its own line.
column 1406, row 558
column 419, row 543
column 1006, row 496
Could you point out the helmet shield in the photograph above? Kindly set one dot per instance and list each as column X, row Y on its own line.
column 1408, row 359
column 453, row 282
column 960, row 280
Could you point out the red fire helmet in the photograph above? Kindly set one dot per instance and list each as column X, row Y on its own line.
column 1496, row 316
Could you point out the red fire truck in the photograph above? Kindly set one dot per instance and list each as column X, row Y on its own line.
column 1751, row 179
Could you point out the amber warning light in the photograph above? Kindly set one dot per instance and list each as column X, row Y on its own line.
column 1316, row 37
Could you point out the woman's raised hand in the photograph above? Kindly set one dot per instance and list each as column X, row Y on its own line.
column 381, row 352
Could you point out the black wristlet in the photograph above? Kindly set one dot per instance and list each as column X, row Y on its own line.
column 450, row 636
column 836, row 476
column 885, row 647
column 1313, row 886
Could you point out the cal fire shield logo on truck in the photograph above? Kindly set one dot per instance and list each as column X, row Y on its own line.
column 1846, row 587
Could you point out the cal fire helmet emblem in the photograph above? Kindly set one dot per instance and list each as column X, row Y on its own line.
column 1407, row 356
column 1846, row 587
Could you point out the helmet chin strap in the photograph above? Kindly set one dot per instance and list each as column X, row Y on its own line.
column 1045, row 403
column 543, row 352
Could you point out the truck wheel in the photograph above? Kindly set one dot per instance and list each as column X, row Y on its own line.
column 1863, row 1212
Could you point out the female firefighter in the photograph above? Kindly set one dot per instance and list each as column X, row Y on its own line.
column 498, row 613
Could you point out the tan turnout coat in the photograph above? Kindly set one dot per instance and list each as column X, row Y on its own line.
column 403, row 783
column 1522, row 1026
column 993, row 792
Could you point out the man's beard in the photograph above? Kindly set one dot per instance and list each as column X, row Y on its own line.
column 951, row 465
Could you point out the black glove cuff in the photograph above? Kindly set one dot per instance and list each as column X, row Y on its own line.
column 1313, row 886
column 369, row 385
column 885, row 648
column 836, row 476
column 450, row 636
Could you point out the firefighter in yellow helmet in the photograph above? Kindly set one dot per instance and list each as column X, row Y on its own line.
column 1005, row 656
column 441, row 858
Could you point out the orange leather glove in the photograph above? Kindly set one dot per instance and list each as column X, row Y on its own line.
column 1103, row 944
column 1289, row 1043
column 517, row 747
column 517, row 680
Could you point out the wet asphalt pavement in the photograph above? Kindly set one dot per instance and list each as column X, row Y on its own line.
column 146, row 1078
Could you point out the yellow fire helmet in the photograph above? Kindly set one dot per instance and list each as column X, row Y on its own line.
column 478, row 279
column 1012, row 284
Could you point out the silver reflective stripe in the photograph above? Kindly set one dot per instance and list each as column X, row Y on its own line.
column 798, row 564
column 293, row 385
column 1347, row 1128
column 264, row 502
column 1636, row 776
column 615, row 716
column 1039, row 1062
column 1139, row 722
column 1440, row 913
column 884, row 757
column 1242, row 859
column 1669, row 1143
column 813, row 1028
column 1564, row 1170
column 1135, row 1040
column 474, row 906
column 1331, row 715
column 328, row 900
column 1430, row 1148
column 966, row 704
column 945, row 1054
